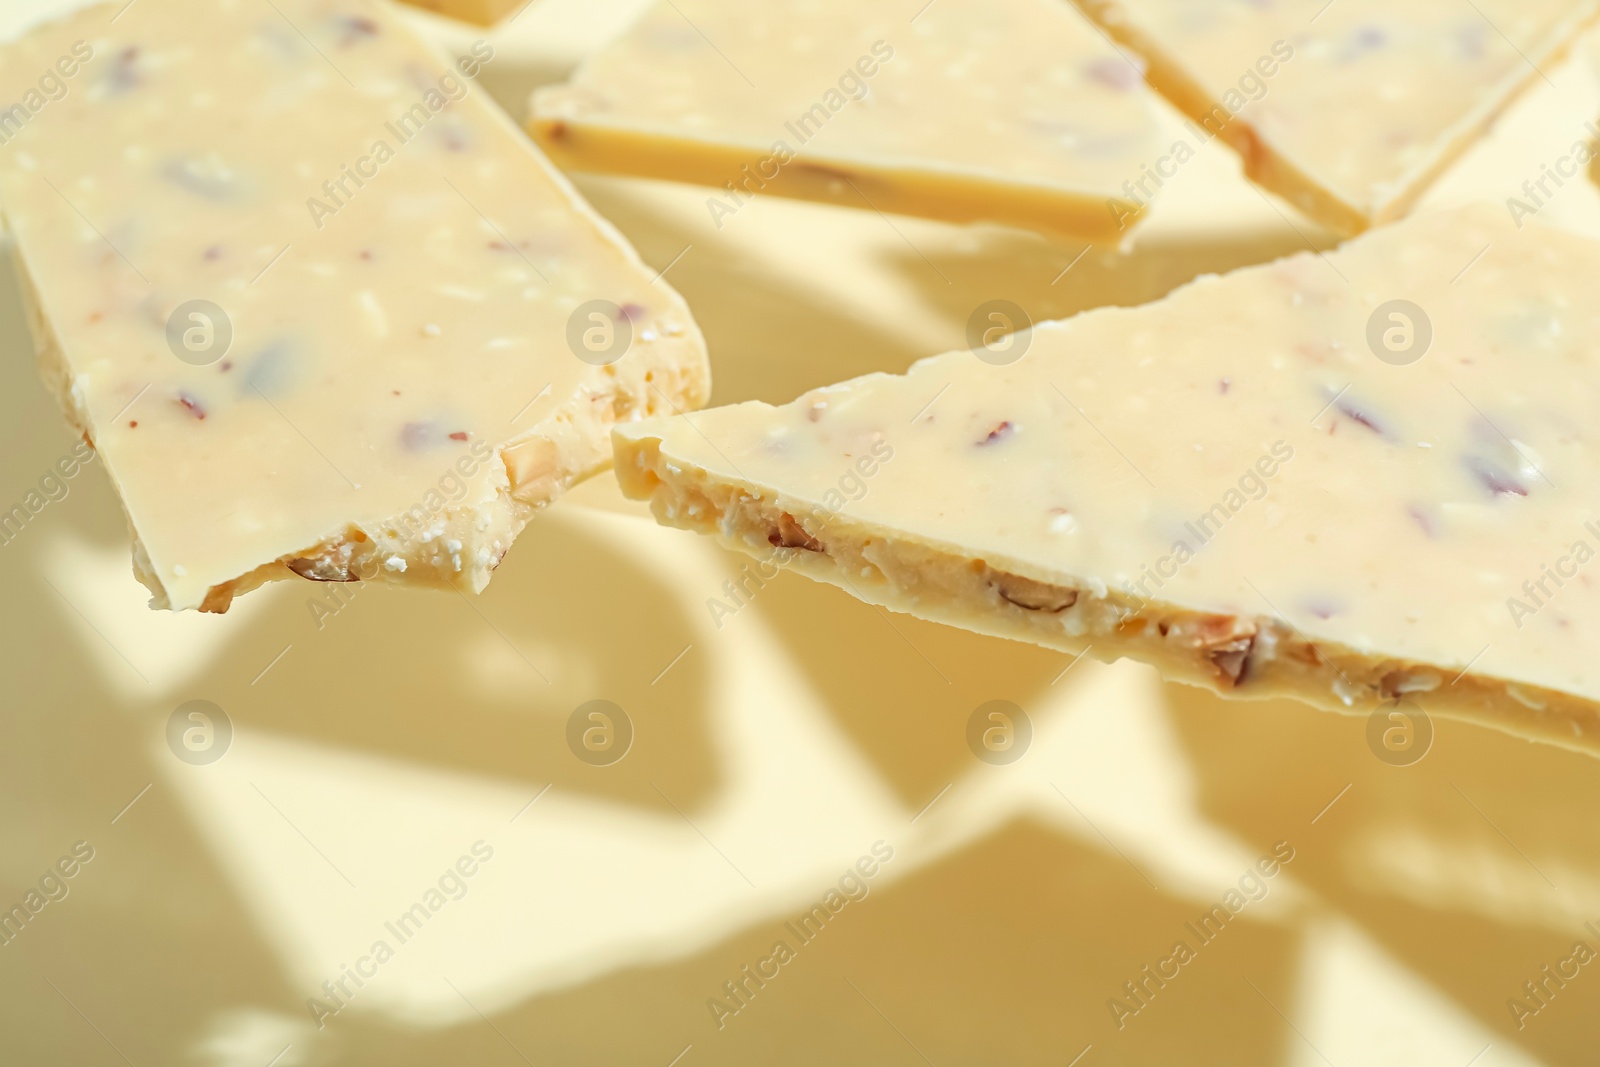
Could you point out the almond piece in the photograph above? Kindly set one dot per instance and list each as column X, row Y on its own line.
column 790, row 534
column 1030, row 595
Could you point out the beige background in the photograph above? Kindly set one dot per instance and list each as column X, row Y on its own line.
column 770, row 754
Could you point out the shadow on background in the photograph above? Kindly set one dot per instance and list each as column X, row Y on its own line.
column 772, row 340
column 1476, row 866
column 1004, row 953
column 901, row 688
column 768, row 340
column 486, row 686
column 151, row 940
column 1056, row 280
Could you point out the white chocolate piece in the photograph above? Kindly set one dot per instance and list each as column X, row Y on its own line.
column 1229, row 484
column 1010, row 111
column 1348, row 110
column 482, row 12
column 400, row 269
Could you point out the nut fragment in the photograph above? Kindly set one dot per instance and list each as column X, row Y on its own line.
column 1030, row 595
column 1525, row 698
column 1398, row 683
column 193, row 406
column 322, row 570
column 1225, row 640
column 1349, row 692
column 790, row 534
column 218, row 598
column 1232, row 660
column 999, row 433
column 332, row 564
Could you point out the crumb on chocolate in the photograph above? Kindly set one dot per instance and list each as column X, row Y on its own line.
column 191, row 405
column 998, row 433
